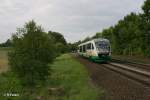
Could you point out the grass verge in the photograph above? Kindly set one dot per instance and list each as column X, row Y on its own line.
column 74, row 78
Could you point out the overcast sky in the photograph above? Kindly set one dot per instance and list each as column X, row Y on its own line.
column 75, row 19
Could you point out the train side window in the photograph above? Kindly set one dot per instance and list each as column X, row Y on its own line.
column 80, row 48
column 92, row 47
column 89, row 46
column 84, row 48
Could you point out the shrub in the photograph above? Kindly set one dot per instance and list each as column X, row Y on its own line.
column 32, row 50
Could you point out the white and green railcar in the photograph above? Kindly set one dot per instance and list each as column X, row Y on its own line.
column 98, row 50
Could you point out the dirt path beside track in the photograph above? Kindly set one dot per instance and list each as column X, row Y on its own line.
column 116, row 86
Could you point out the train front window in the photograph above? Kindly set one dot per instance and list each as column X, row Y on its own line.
column 102, row 45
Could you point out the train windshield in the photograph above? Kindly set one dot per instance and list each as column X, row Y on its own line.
column 102, row 45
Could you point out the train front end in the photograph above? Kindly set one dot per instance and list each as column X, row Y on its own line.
column 103, row 50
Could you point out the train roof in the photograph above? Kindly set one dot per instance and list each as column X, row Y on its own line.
column 94, row 40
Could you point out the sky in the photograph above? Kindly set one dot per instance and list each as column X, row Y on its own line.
column 75, row 19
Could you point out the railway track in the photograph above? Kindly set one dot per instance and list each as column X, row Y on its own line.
column 142, row 66
column 136, row 71
column 136, row 74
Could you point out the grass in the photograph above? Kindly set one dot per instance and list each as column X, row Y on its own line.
column 9, row 84
column 67, row 75
column 73, row 77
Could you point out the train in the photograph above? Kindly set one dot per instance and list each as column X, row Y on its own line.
column 97, row 50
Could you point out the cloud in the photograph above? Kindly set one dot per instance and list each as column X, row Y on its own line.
column 75, row 19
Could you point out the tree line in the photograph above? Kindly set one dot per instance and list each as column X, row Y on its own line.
column 131, row 35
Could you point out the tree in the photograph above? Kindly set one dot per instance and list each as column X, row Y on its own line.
column 107, row 33
column 58, row 37
column 145, row 27
column 59, row 41
column 32, row 51
column 73, row 47
column 8, row 43
column 126, row 35
column 86, row 39
column 98, row 35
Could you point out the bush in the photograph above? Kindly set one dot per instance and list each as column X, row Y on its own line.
column 32, row 50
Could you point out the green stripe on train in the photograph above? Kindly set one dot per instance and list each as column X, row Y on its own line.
column 100, row 59
column 97, row 58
